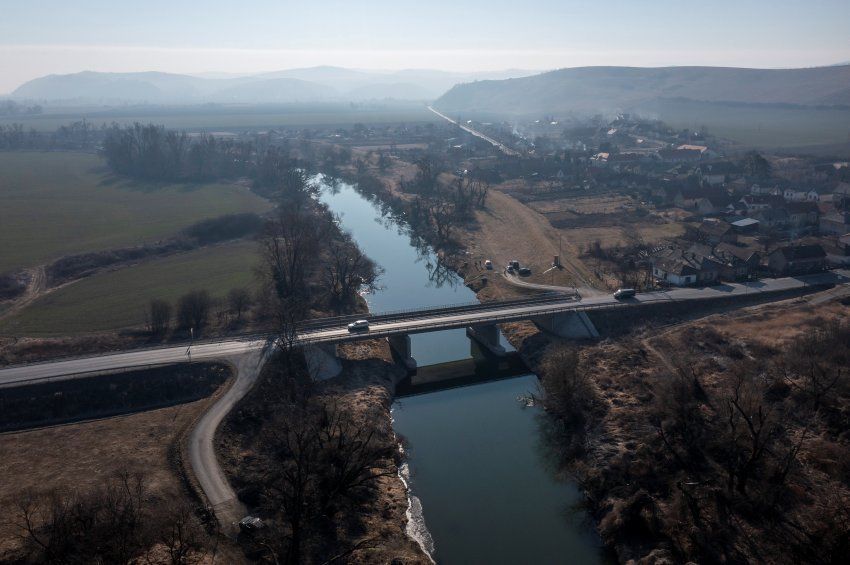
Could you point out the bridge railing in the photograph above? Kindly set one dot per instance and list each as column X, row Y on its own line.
column 433, row 310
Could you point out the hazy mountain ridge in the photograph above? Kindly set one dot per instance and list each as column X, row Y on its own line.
column 606, row 89
column 292, row 85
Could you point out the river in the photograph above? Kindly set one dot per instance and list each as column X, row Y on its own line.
column 476, row 460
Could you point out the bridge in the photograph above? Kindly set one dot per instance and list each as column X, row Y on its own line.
column 562, row 314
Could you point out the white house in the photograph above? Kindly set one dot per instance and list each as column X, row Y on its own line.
column 791, row 195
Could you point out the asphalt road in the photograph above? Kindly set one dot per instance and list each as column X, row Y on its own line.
column 413, row 322
column 499, row 145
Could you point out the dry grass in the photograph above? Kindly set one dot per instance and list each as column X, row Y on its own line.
column 628, row 374
column 506, row 230
column 648, row 231
column 82, row 455
column 602, row 204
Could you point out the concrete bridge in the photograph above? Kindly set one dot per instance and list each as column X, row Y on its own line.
column 564, row 315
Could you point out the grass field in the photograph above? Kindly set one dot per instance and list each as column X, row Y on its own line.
column 55, row 204
column 117, row 299
column 767, row 127
column 232, row 118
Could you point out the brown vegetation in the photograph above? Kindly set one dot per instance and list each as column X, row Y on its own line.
column 80, row 458
column 319, row 463
column 710, row 444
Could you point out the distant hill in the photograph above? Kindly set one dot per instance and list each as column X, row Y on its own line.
column 293, row 85
column 274, row 90
column 615, row 89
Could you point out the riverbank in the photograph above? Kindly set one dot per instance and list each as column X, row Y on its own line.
column 647, row 507
column 370, row 529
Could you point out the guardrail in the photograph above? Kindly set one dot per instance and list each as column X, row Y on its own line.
column 418, row 314
column 439, row 324
column 431, row 311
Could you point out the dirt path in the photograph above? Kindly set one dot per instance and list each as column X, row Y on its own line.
column 35, row 289
column 202, row 454
column 507, row 230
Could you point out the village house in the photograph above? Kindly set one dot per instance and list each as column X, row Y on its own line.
column 716, row 174
column 746, row 226
column 764, row 190
column 793, row 195
column 736, row 262
column 757, row 202
column 675, row 271
column 802, row 214
column 795, row 260
column 772, row 219
column 715, row 231
column 702, row 201
column 682, row 268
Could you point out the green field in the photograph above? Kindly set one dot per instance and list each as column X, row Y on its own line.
column 60, row 203
column 768, row 127
column 232, row 119
column 117, row 299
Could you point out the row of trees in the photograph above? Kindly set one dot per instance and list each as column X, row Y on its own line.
column 194, row 310
column 77, row 135
column 153, row 152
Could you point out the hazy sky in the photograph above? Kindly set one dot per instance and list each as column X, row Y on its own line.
column 64, row 36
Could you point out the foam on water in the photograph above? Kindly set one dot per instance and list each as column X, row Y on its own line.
column 416, row 528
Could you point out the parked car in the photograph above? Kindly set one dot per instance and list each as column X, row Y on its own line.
column 514, row 264
column 488, row 264
column 359, row 326
column 624, row 293
column 509, row 269
column 251, row 524
column 524, row 271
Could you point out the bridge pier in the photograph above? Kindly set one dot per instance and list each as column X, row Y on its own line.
column 322, row 361
column 400, row 345
column 487, row 335
column 574, row 325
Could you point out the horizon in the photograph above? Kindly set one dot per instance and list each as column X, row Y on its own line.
column 224, row 75
column 56, row 38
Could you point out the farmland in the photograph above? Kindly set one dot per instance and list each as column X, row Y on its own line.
column 55, row 204
column 117, row 299
column 764, row 126
column 235, row 117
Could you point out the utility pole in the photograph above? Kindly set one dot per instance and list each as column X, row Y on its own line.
column 191, row 342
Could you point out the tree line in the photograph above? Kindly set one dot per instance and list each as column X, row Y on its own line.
column 80, row 135
column 156, row 153
column 118, row 521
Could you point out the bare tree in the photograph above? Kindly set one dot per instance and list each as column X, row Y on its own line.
column 239, row 300
column 749, row 428
column 181, row 536
column 290, row 249
column 348, row 269
column 321, row 456
column 159, row 317
column 193, row 310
